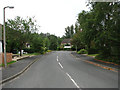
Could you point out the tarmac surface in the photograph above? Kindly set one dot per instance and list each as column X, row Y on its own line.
column 60, row 69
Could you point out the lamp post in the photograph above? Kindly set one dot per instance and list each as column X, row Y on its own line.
column 4, row 35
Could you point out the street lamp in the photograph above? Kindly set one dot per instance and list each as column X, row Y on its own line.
column 10, row 7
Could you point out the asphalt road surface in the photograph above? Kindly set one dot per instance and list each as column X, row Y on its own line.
column 60, row 69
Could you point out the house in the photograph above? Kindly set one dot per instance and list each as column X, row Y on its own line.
column 66, row 43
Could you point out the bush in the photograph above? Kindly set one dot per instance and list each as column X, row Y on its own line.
column 92, row 51
column 29, row 50
column 82, row 51
column 111, row 58
column 49, row 51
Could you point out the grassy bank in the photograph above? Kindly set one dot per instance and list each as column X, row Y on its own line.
column 109, row 59
column 93, row 55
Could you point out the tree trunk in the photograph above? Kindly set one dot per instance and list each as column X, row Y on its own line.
column 21, row 52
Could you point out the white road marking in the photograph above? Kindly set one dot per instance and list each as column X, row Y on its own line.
column 72, row 80
column 68, row 75
column 60, row 65
column 57, row 58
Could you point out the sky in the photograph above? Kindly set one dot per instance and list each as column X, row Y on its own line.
column 53, row 16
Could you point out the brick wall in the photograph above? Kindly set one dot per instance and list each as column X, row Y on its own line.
column 8, row 55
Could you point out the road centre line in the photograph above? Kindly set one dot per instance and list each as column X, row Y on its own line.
column 60, row 65
column 57, row 58
column 68, row 75
column 72, row 80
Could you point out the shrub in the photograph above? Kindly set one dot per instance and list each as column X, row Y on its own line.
column 49, row 51
column 29, row 50
column 92, row 51
column 82, row 51
column 111, row 58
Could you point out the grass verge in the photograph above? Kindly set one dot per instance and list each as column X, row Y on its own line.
column 108, row 59
column 2, row 65
column 33, row 54
column 93, row 55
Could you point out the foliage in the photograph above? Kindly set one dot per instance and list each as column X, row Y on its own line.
column 53, row 42
column 76, row 40
column 49, row 51
column 69, row 31
column 82, row 51
column 21, row 32
column 108, row 59
column 92, row 51
column 93, row 55
column 18, row 32
column 37, row 43
column 99, row 29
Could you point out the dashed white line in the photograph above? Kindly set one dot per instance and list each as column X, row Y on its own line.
column 60, row 65
column 72, row 80
column 68, row 75
column 57, row 58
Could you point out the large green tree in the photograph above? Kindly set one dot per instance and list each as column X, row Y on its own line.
column 21, row 28
column 100, row 28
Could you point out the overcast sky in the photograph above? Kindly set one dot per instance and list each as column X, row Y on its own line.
column 52, row 15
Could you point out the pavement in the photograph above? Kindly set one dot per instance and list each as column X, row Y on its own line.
column 90, row 59
column 16, row 67
column 60, row 69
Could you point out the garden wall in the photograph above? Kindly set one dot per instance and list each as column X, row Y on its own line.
column 8, row 55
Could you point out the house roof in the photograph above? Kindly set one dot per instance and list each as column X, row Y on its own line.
column 66, row 41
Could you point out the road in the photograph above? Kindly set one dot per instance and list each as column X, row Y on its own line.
column 60, row 69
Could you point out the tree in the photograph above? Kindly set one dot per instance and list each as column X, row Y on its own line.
column 69, row 31
column 53, row 42
column 100, row 28
column 23, row 28
column 37, row 43
column 46, row 43
column 76, row 40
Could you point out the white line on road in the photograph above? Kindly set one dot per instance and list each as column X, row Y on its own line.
column 72, row 80
column 60, row 65
column 57, row 58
